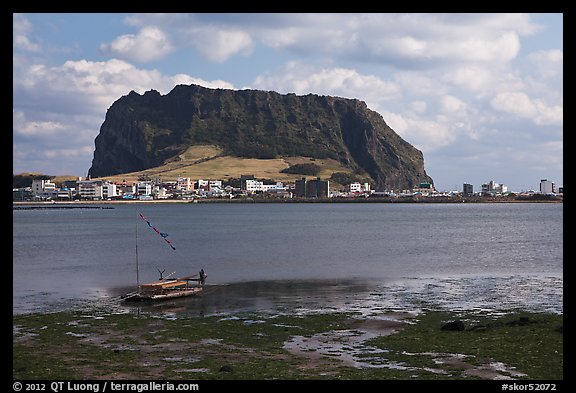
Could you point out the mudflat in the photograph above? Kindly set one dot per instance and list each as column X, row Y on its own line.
column 103, row 344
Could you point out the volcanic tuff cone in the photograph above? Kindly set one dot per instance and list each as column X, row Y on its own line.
column 146, row 131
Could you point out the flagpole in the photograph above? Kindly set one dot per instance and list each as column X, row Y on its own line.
column 137, row 265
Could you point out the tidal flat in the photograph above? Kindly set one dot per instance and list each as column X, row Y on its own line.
column 389, row 345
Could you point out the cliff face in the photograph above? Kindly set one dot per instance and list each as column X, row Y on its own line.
column 142, row 131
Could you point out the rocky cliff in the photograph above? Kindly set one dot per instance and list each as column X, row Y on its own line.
column 143, row 131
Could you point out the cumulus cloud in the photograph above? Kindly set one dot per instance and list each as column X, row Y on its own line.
column 54, row 143
column 420, row 84
column 151, row 43
column 219, row 44
column 299, row 78
column 520, row 104
column 413, row 123
column 452, row 105
column 549, row 63
column 501, row 49
column 424, row 111
column 471, row 77
column 59, row 109
column 426, row 135
column 34, row 128
column 21, row 31
column 213, row 40
column 91, row 86
column 401, row 40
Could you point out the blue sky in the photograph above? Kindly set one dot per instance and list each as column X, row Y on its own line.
column 481, row 95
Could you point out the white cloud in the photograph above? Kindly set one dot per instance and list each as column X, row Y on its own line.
column 419, row 107
column 219, row 44
column 549, row 115
column 549, row 63
column 21, row 30
column 471, row 77
column 401, row 40
column 426, row 135
column 91, row 87
column 151, row 43
column 396, row 121
column 34, row 128
column 343, row 82
column 58, row 110
column 500, row 49
column 183, row 79
column 420, row 84
column 552, row 152
column 451, row 104
column 215, row 41
column 520, row 104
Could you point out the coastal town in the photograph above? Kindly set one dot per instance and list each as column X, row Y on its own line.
column 247, row 187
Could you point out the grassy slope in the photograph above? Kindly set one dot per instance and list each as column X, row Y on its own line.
column 207, row 162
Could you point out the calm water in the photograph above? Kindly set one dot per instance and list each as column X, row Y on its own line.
column 358, row 257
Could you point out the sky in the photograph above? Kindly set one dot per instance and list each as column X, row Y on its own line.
column 481, row 95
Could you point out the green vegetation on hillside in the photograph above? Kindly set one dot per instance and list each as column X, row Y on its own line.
column 303, row 169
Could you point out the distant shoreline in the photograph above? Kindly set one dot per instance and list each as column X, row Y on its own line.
column 417, row 200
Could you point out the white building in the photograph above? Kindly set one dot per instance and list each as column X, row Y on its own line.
column 144, row 188
column 278, row 186
column 357, row 187
column 44, row 188
column 184, row 184
column 494, row 188
column 424, row 189
column 203, row 184
column 109, row 190
column 215, row 183
column 66, row 193
column 160, row 192
column 254, row 185
column 547, row 187
column 90, row 189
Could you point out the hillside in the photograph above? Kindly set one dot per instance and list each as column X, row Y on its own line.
column 251, row 131
column 207, row 162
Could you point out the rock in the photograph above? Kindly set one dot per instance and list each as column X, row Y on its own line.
column 145, row 131
column 225, row 369
column 523, row 321
column 454, row 326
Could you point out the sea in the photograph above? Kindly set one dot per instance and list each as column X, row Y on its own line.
column 293, row 257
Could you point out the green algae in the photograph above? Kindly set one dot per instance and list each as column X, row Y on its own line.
column 91, row 345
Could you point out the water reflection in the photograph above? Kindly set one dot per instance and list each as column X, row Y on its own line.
column 364, row 297
column 263, row 297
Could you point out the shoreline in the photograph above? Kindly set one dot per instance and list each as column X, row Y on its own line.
column 305, row 330
column 358, row 295
column 249, row 200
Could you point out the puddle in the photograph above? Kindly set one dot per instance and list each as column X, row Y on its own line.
column 193, row 370
column 349, row 347
column 346, row 345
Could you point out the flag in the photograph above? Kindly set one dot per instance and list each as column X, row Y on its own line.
column 164, row 235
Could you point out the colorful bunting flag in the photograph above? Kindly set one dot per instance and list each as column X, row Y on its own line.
column 163, row 234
